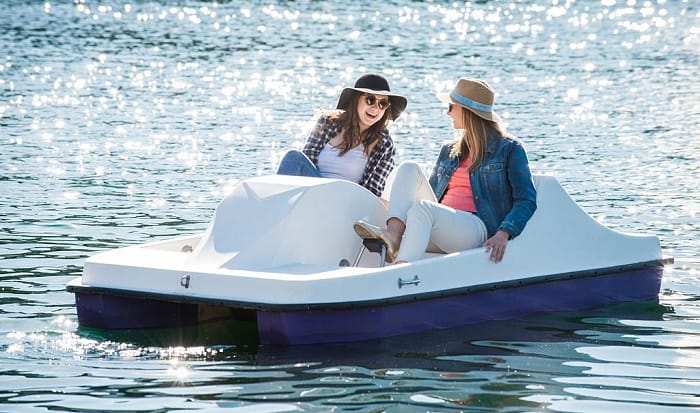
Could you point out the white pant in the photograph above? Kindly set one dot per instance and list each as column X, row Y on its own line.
column 430, row 225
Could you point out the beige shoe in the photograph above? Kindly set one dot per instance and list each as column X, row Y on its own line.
column 369, row 231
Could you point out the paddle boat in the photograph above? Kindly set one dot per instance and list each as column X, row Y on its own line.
column 281, row 254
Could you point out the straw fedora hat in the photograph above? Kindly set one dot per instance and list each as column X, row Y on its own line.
column 373, row 84
column 474, row 95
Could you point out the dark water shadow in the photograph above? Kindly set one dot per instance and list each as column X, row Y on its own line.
column 226, row 332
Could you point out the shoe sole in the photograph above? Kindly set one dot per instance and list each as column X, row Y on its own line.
column 366, row 232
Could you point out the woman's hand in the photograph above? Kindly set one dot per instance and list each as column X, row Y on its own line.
column 496, row 245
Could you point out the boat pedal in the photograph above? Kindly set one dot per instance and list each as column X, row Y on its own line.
column 373, row 245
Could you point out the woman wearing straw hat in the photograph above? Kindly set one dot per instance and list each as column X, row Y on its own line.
column 352, row 143
column 480, row 192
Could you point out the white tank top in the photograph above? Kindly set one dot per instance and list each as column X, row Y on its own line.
column 349, row 167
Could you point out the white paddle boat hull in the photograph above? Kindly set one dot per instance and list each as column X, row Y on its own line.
column 280, row 250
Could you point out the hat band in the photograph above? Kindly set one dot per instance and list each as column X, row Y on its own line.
column 470, row 103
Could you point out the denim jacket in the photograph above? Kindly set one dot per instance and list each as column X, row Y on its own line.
column 502, row 186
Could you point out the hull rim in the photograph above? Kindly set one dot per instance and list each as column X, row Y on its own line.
column 247, row 305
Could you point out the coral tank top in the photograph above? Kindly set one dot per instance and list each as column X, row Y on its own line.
column 459, row 190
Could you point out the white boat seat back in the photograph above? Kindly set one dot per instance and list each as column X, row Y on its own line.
column 277, row 220
column 559, row 217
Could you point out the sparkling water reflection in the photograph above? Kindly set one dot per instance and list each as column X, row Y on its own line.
column 126, row 122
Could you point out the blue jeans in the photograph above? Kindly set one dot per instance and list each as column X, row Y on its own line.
column 297, row 163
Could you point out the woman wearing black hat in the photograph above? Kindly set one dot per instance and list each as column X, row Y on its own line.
column 352, row 143
column 480, row 192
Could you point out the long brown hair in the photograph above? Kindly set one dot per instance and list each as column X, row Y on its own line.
column 350, row 126
column 475, row 138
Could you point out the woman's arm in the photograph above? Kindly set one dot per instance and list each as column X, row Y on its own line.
column 317, row 139
column 522, row 189
column 385, row 153
column 524, row 203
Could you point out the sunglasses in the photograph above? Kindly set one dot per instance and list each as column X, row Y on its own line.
column 371, row 100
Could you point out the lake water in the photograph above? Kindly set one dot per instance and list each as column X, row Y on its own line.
column 122, row 123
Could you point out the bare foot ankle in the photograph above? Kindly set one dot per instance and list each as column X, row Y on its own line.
column 395, row 229
column 394, row 237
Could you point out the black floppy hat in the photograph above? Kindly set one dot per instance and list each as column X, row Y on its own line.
column 374, row 84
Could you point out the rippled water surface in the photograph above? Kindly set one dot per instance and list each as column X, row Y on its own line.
column 122, row 123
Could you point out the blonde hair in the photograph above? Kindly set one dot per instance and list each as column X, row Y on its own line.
column 475, row 138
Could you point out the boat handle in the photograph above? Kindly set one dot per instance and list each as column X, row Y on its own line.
column 185, row 281
column 414, row 281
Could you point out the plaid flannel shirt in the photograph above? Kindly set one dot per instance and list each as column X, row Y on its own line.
column 379, row 164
